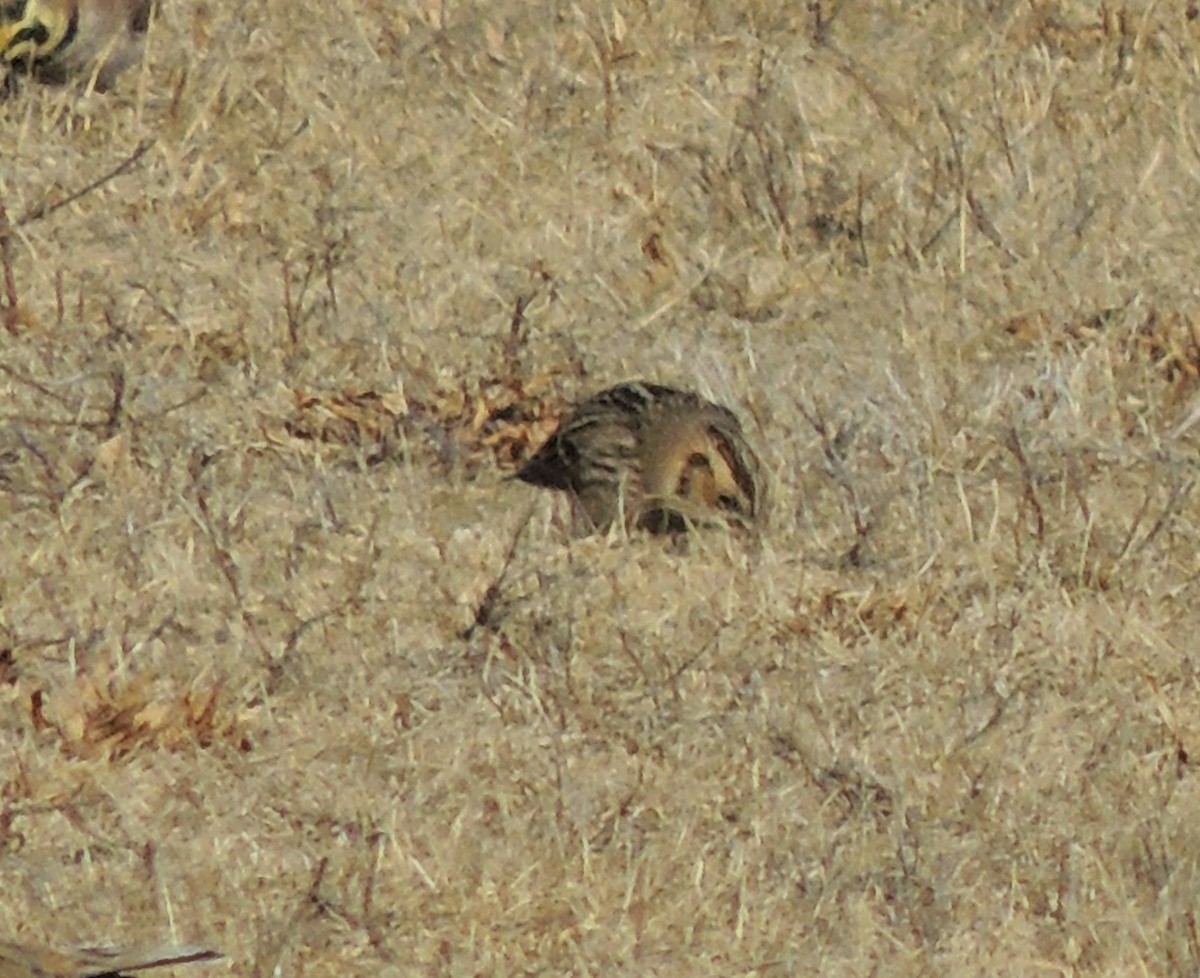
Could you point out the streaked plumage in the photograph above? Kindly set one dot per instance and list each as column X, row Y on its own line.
column 18, row 961
column 660, row 458
column 54, row 40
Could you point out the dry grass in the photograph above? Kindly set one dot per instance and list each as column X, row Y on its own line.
column 290, row 667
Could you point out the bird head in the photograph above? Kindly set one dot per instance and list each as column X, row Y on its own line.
column 35, row 30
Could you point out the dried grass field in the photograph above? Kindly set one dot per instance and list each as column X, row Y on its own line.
column 291, row 666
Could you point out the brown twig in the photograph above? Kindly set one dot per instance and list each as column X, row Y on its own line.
column 833, row 447
column 486, row 610
column 127, row 164
column 11, row 308
column 11, row 314
column 1030, row 480
column 860, row 230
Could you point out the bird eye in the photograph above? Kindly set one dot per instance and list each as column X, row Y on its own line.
column 13, row 11
column 729, row 503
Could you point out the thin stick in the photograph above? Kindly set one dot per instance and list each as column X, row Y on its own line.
column 486, row 608
column 44, row 210
column 10, row 279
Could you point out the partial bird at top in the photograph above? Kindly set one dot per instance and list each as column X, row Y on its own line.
column 57, row 40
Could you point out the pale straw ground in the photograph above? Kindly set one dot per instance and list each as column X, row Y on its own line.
column 290, row 667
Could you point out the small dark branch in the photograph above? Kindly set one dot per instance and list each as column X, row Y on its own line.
column 1134, row 524
column 293, row 639
column 377, row 840
column 1123, row 69
column 606, row 55
column 334, row 248
column 313, row 898
column 985, row 225
column 320, row 905
column 999, row 706
column 289, row 307
column 1178, row 495
column 959, row 167
column 833, row 447
column 1065, row 884
column 127, row 164
column 860, row 224
column 1189, row 918
column 517, row 337
column 819, row 32
column 635, row 658
column 60, row 306
column 929, row 214
column 516, row 334
column 1001, row 126
column 116, row 408
column 41, row 388
column 856, row 555
column 330, row 261
column 955, row 145
column 199, row 395
column 158, row 301
column 773, row 177
column 293, row 302
column 56, row 490
column 847, row 66
column 1014, row 446
column 1075, row 485
column 11, row 310
column 676, row 674
column 37, row 711
column 776, row 193
column 610, row 109
column 485, row 613
column 222, row 556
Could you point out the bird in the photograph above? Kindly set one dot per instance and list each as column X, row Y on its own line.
column 653, row 457
column 55, row 40
column 19, row 961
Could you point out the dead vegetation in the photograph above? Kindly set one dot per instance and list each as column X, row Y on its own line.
column 292, row 668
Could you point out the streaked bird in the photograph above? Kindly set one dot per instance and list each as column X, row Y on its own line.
column 54, row 40
column 658, row 458
column 18, row 961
